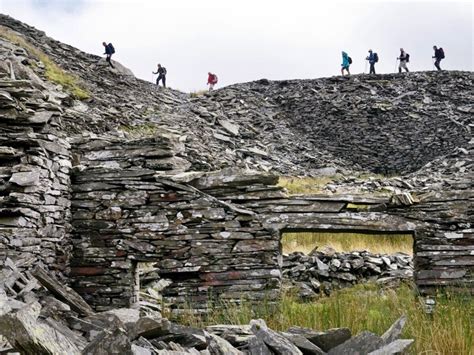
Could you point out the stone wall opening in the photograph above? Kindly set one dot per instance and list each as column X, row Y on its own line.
column 319, row 261
column 347, row 241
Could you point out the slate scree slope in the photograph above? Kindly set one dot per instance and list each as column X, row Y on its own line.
column 133, row 174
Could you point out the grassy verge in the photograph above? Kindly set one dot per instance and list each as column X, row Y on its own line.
column 52, row 71
column 343, row 242
column 364, row 307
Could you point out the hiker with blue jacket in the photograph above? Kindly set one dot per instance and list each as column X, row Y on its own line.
column 372, row 58
column 346, row 62
column 109, row 50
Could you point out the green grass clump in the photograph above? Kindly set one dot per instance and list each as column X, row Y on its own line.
column 346, row 242
column 305, row 185
column 363, row 307
column 143, row 130
column 52, row 71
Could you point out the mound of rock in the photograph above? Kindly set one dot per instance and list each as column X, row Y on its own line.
column 393, row 124
column 323, row 271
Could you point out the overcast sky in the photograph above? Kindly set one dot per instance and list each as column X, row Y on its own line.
column 244, row 40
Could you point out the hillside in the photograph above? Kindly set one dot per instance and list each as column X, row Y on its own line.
column 415, row 125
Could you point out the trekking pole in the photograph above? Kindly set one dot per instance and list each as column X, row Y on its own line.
column 396, row 65
column 365, row 68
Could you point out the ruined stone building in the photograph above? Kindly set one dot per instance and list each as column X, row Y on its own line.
column 96, row 182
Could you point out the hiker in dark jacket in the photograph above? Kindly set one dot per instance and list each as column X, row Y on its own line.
column 403, row 58
column 345, row 63
column 161, row 71
column 109, row 50
column 438, row 55
column 372, row 58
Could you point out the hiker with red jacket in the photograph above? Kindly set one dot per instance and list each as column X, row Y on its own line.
column 211, row 80
column 438, row 55
column 109, row 50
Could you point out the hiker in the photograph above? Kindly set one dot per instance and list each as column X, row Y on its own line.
column 161, row 71
column 346, row 62
column 211, row 80
column 372, row 58
column 438, row 55
column 109, row 50
column 404, row 58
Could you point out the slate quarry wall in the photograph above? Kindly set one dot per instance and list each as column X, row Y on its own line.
column 217, row 235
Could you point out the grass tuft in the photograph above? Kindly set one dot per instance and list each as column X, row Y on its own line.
column 142, row 130
column 52, row 71
column 305, row 185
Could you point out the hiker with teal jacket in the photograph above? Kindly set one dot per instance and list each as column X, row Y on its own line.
column 346, row 62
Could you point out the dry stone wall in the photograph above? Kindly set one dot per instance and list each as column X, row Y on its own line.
column 34, row 178
column 123, row 216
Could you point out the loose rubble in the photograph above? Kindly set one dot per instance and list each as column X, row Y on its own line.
column 34, row 321
column 323, row 271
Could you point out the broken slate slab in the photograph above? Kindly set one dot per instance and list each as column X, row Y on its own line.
column 362, row 343
column 220, row 346
column 398, row 346
column 110, row 341
column 230, row 127
column 30, row 335
column 64, row 293
column 394, row 332
column 324, row 340
column 276, row 342
column 306, row 347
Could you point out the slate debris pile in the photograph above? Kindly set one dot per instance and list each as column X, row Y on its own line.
column 389, row 124
column 45, row 317
column 34, row 176
column 323, row 271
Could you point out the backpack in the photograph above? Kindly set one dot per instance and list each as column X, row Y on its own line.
column 407, row 58
column 349, row 59
column 376, row 57
column 112, row 49
column 214, row 79
column 441, row 53
column 164, row 71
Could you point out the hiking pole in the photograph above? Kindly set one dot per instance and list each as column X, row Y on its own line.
column 365, row 68
column 396, row 65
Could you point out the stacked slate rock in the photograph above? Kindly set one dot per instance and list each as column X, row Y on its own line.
column 34, row 176
column 48, row 318
column 323, row 271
